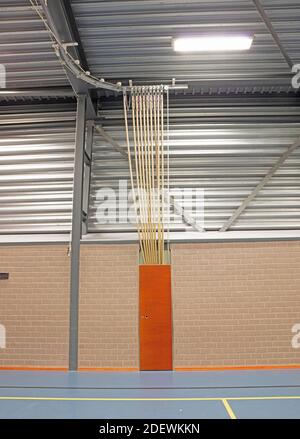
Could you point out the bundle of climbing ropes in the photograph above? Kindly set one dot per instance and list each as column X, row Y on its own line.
column 146, row 112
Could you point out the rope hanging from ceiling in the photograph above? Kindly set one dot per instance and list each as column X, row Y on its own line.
column 149, row 167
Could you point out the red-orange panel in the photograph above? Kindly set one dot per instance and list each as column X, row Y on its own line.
column 155, row 317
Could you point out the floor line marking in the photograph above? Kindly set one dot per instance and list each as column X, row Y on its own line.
column 229, row 398
column 41, row 398
column 228, row 409
column 260, row 398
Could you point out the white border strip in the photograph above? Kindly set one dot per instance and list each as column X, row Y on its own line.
column 177, row 237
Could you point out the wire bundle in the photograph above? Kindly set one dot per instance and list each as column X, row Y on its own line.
column 149, row 168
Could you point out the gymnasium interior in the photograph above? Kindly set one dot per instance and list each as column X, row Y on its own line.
column 149, row 209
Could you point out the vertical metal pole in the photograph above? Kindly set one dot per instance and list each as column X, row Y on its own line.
column 87, row 173
column 76, row 229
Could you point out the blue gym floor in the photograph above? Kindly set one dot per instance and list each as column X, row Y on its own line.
column 150, row 395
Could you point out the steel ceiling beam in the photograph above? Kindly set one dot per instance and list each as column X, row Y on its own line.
column 61, row 20
column 74, row 33
column 111, row 141
column 273, row 32
column 262, row 183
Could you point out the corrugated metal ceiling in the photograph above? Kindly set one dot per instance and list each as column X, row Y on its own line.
column 133, row 40
column 26, row 49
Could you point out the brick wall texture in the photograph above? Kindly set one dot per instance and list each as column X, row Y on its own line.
column 108, row 324
column 34, row 305
column 235, row 303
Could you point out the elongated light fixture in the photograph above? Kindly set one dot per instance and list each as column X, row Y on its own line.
column 220, row 43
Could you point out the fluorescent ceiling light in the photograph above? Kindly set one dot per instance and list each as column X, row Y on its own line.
column 212, row 43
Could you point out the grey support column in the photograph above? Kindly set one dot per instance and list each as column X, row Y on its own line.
column 77, row 217
column 87, row 173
